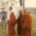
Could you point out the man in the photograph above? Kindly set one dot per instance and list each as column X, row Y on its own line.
column 11, row 22
column 0, row 16
column 9, row 12
column 26, row 24
column 11, row 25
column 19, row 23
column 4, row 16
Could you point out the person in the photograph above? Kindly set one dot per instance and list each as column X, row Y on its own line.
column 19, row 22
column 11, row 25
column 9, row 12
column 0, row 17
column 4, row 16
column 26, row 24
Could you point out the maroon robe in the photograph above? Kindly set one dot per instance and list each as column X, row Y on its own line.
column 19, row 24
column 26, row 24
column 11, row 25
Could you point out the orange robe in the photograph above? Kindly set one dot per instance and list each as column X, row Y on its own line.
column 26, row 24
column 11, row 25
column 19, row 24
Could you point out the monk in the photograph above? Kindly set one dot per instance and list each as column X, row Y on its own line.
column 19, row 23
column 26, row 24
column 11, row 25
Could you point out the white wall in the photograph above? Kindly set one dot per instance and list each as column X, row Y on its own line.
column 30, row 3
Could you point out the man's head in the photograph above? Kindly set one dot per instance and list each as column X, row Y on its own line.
column 2, row 9
column 10, row 8
column 20, row 11
column 28, row 12
column 24, row 11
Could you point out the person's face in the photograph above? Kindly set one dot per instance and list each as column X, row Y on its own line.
column 2, row 9
column 20, row 11
column 10, row 9
column 24, row 11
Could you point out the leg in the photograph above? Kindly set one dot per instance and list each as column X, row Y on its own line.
column 5, row 24
column 2, row 24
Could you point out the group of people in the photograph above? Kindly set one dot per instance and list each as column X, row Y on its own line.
column 24, row 23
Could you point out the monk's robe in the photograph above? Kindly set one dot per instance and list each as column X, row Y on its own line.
column 11, row 25
column 19, row 24
column 26, row 24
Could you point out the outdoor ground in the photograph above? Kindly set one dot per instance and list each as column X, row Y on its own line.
column 4, row 32
column 33, row 25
